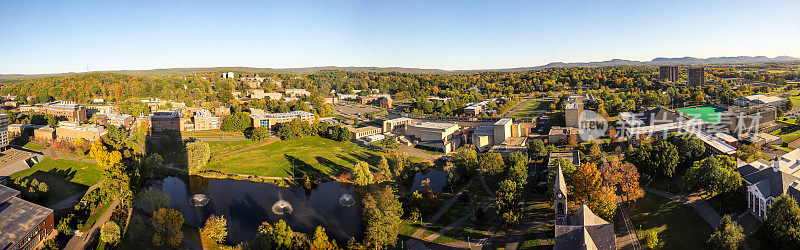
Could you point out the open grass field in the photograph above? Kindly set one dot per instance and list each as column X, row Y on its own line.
column 787, row 134
column 221, row 147
column 795, row 99
column 33, row 146
column 678, row 227
column 707, row 113
column 314, row 155
column 64, row 177
column 532, row 108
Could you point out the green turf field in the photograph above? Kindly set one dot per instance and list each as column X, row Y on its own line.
column 314, row 155
column 709, row 114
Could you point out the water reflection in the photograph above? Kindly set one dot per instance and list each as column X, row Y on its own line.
column 246, row 205
column 434, row 179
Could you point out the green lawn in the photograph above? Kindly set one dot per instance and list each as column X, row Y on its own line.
column 795, row 99
column 678, row 226
column 221, row 147
column 532, row 108
column 314, row 155
column 33, row 146
column 787, row 134
column 92, row 219
column 64, row 177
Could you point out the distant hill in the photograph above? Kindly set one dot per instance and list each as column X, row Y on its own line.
column 613, row 62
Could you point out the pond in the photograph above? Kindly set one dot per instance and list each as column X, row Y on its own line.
column 433, row 179
column 246, row 205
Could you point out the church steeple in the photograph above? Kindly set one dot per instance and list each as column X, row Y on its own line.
column 560, row 195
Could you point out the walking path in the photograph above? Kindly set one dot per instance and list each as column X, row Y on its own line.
column 78, row 242
column 694, row 201
column 444, row 209
column 628, row 238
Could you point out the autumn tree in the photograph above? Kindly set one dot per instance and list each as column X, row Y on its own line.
column 383, row 166
column 167, row 225
column 216, row 228
column 361, row 174
column 381, row 215
column 110, row 233
column 198, row 153
column 491, row 163
column 465, row 161
column 320, row 240
column 624, row 178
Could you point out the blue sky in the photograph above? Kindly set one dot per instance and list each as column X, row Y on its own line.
column 61, row 36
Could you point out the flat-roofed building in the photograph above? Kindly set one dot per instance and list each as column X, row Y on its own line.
column 573, row 110
column 296, row 92
column 434, row 135
column 502, row 130
column 44, row 133
column 222, row 110
column 92, row 109
column 696, row 76
column 23, row 224
column 668, row 73
column 269, row 120
column 4, row 137
column 748, row 120
column 389, row 126
column 203, row 120
column 756, row 100
column 162, row 121
column 730, row 140
column 120, row 120
column 510, row 145
column 562, row 134
column 76, row 130
column 62, row 109
column 361, row 132
column 483, row 138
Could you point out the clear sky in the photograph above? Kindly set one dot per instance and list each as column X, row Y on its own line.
column 64, row 36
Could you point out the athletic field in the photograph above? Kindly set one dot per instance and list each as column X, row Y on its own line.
column 709, row 114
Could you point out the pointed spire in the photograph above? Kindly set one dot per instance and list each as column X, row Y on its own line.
column 560, row 184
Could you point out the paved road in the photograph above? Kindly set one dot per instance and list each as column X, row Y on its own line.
column 79, row 242
column 694, row 201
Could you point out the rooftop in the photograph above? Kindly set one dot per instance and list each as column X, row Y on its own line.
column 434, row 125
column 296, row 113
column 762, row 99
column 18, row 217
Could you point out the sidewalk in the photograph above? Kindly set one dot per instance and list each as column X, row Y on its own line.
column 694, row 201
column 444, row 209
column 79, row 242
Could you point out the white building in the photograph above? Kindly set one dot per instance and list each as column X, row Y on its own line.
column 766, row 181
